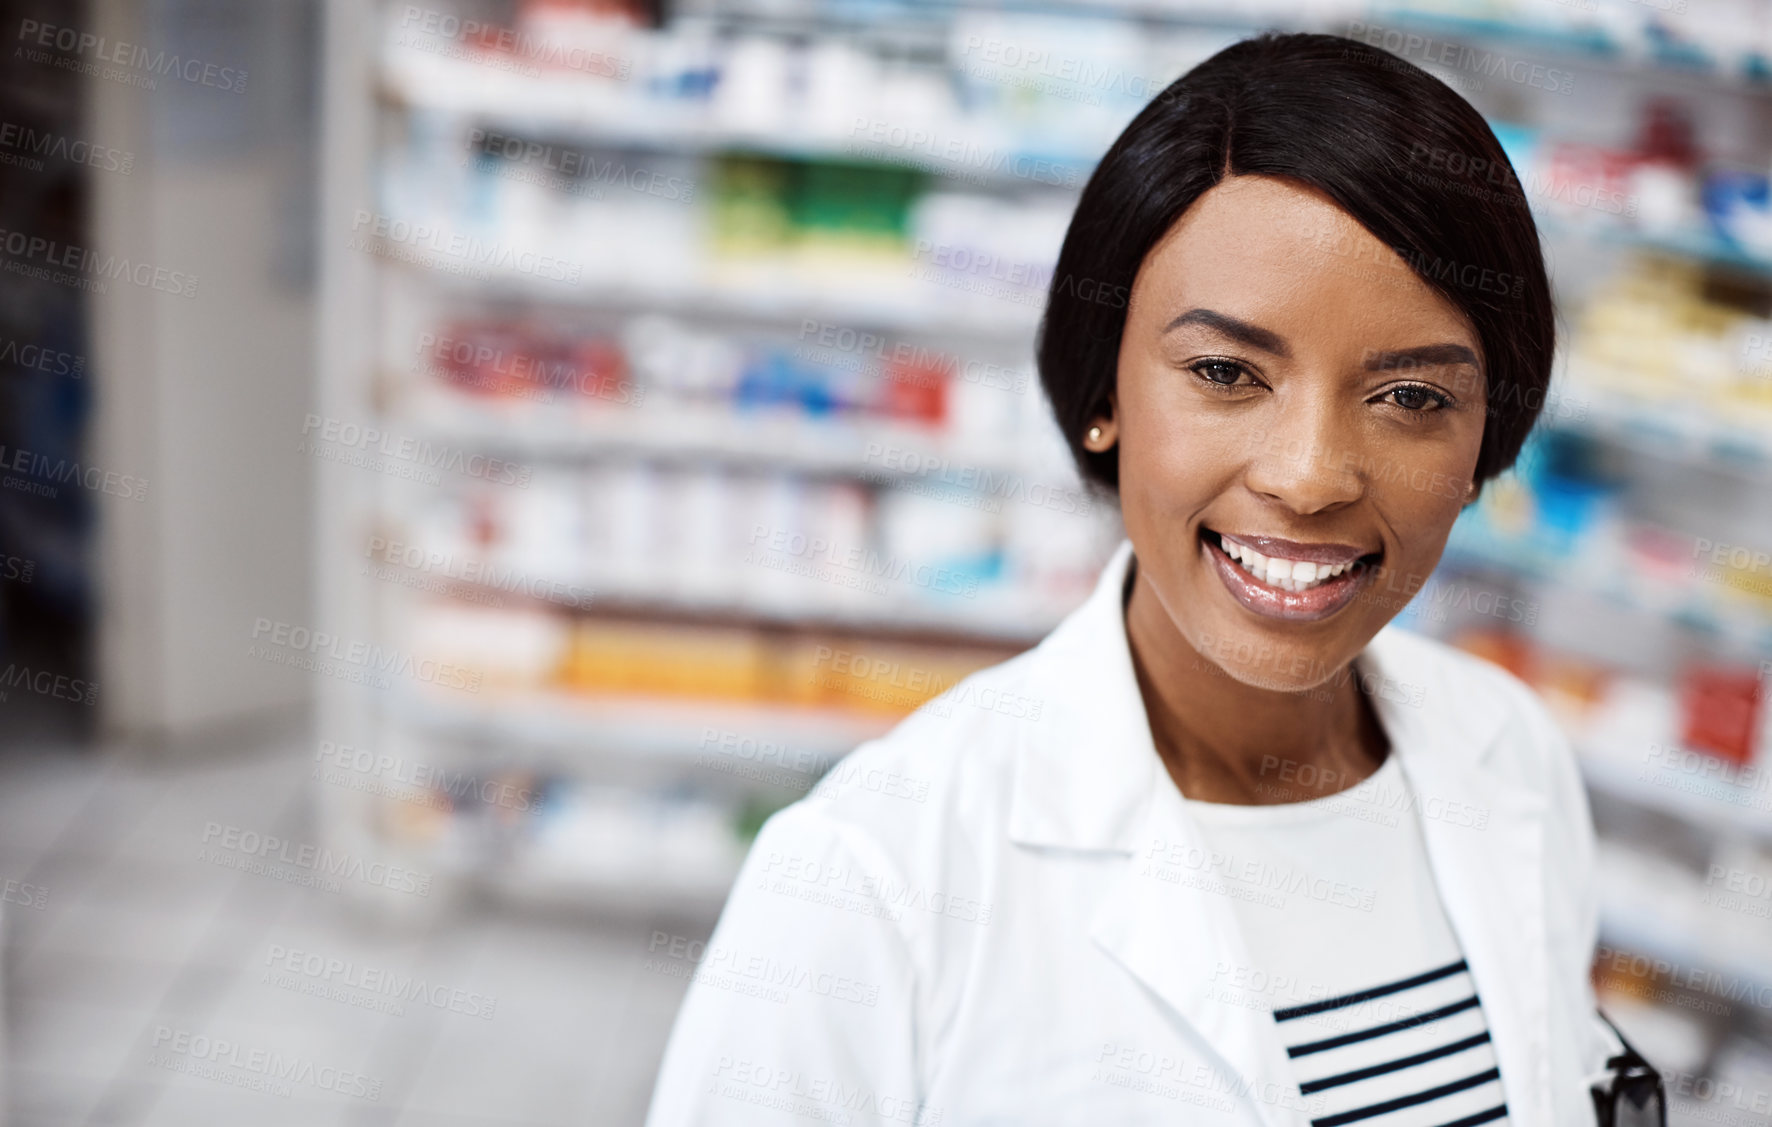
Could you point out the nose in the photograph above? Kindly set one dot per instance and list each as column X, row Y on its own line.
column 1311, row 459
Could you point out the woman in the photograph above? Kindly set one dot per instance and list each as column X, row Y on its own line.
column 1239, row 854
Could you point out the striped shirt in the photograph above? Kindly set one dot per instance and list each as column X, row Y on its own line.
column 1434, row 1065
column 1351, row 951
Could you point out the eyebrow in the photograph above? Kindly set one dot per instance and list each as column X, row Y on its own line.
column 1252, row 335
column 1425, row 356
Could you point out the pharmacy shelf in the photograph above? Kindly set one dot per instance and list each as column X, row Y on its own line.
column 674, row 729
column 1701, row 245
column 884, row 296
column 1651, row 53
column 603, row 113
column 1715, row 806
column 877, row 450
column 1001, row 619
column 1659, row 936
column 1746, row 629
column 1693, row 433
column 643, row 886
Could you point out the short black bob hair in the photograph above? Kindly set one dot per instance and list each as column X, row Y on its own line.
column 1392, row 145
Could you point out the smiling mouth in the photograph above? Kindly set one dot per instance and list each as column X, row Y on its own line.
column 1289, row 579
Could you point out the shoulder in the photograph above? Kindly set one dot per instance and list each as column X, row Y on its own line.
column 920, row 807
column 1471, row 695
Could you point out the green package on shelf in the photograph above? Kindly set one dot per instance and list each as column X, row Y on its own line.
column 853, row 198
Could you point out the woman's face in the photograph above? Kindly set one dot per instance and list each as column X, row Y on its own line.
column 1298, row 418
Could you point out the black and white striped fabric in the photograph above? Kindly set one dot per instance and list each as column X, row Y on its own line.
column 1349, row 947
column 1412, row 1052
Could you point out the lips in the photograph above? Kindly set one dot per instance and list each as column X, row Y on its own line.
column 1280, row 578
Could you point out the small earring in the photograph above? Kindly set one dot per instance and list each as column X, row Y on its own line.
column 1095, row 434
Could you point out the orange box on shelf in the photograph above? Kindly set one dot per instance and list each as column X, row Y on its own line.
column 668, row 660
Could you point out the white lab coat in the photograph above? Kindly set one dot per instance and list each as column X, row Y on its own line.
column 962, row 926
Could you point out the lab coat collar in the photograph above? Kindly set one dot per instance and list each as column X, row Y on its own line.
column 1088, row 778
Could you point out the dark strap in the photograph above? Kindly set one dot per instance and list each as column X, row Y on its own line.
column 1633, row 1079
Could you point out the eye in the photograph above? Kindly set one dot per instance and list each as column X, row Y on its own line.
column 1417, row 397
column 1224, row 373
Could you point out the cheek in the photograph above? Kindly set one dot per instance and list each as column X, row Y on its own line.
column 1423, row 511
column 1175, row 452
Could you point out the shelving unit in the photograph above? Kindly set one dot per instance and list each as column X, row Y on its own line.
column 804, row 423
column 801, row 219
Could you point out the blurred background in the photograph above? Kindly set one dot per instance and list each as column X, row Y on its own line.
column 464, row 465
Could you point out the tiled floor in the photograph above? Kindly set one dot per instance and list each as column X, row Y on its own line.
column 143, row 959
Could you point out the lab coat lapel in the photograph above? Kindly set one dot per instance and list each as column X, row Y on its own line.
column 1166, row 926
column 1089, row 778
column 1485, row 843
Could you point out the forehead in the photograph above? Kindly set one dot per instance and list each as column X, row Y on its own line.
column 1286, row 257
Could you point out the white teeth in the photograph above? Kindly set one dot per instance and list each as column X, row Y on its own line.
column 1288, row 575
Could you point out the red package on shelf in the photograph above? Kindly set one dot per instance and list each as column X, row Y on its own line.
column 915, row 391
column 1720, row 711
column 600, row 371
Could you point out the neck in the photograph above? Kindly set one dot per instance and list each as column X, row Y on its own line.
column 1225, row 741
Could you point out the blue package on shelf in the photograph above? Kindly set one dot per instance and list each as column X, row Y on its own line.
column 1739, row 207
